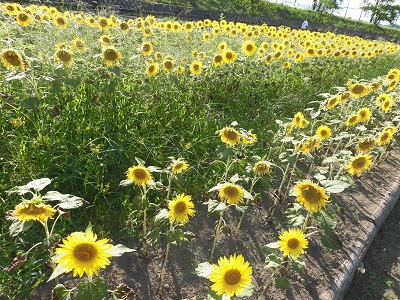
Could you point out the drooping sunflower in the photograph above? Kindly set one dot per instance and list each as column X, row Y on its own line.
column 179, row 166
column 60, row 21
column 111, row 56
column 293, row 242
column 196, row 67
column 152, row 69
column 229, row 136
column 139, row 175
column 81, row 253
column 231, row 275
column 249, row 138
column 358, row 90
column 353, row 120
column 180, row 208
column 364, row 114
column 147, row 48
column 262, row 168
column 359, row 164
column 333, row 102
column 366, row 145
column 12, row 59
column 65, row 56
column 230, row 56
column 27, row 211
column 249, row 47
column 231, row 193
column 324, row 132
column 310, row 195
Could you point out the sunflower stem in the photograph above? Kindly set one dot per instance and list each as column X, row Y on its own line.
column 253, row 182
column 306, row 222
column 217, row 229
column 165, row 263
column 144, row 203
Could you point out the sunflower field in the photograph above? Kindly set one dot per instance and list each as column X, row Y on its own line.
column 144, row 130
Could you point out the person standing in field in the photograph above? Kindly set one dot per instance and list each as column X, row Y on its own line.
column 305, row 25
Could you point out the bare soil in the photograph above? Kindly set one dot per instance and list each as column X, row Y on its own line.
column 142, row 274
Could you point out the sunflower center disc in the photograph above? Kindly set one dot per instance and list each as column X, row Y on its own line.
column 180, row 207
column 111, row 55
column 359, row 163
column 84, row 252
column 140, row 174
column 311, row 194
column 293, row 243
column 230, row 135
column 232, row 277
column 12, row 59
column 33, row 210
column 231, row 191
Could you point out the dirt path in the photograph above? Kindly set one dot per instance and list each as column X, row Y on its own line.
column 379, row 275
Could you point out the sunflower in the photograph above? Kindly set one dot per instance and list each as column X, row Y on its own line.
column 353, row 120
column 139, row 175
column 111, row 56
column 293, row 242
column 81, row 253
column 105, row 39
column 230, row 56
column 222, row 47
column 23, row 19
column 179, row 166
column 231, row 193
column 12, row 58
column 385, row 136
column 124, row 26
column 382, row 98
column 374, row 86
column 10, row 9
column 78, row 44
column 147, row 48
column 28, row 211
column 249, row 138
column 262, row 168
column 323, row 132
column 152, row 69
column 392, row 84
column 310, row 195
column 218, row 60
column 286, row 65
column 366, row 145
column 103, row 23
column 333, row 102
column 180, row 69
column 180, row 208
column 364, row 114
column 249, row 47
column 298, row 119
column 387, row 104
column 358, row 90
column 229, row 136
column 196, row 67
column 358, row 164
column 64, row 56
column 60, row 21
column 231, row 275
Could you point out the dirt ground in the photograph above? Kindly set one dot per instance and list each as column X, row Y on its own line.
column 142, row 274
column 379, row 275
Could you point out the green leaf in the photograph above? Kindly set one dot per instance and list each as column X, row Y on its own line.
column 67, row 201
column 204, row 269
column 298, row 264
column 270, row 248
column 234, row 178
column 272, row 261
column 161, row 216
column 15, row 76
column 241, row 208
column 37, row 185
column 120, row 249
column 334, row 186
column 282, row 283
column 17, row 227
column 125, row 182
column 92, row 290
column 175, row 236
column 215, row 188
column 61, row 293
column 247, row 195
column 212, row 295
column 246, row 292
column 57, row 272
column 139, row 161
column 331, row 159
column 216, row 206
column 331, row 241
column 326, row 218
column 293, row 216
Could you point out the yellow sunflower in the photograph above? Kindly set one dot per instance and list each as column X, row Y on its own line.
column 60, row 21
column 286, row 65
column 392, row 84
column 179, row 166
column 374, row 86
column 105, row 39
column 323, row 132
column 293, row 242
column 353, row 120
column 366, row 145
column 333, row 102
column 64, row 56
column 386, row 105
column 358, row 164
column 229, row 136
column 385, row 136
column 196, row 67
column 358, row 90
column 249, row 139
column 152, row 69
column 230, row 56
column 103, row 23
column 23, row 19
column 382, row 98
column 298, row 119
column 111, row 56
column 218, row 60
column 310, row 195
column 180, row 208
column 124, row 26
column 78, row 44
column 139, row 175
column 364, row 114
column 249, row 47
column 147, row 48
column 262, row 168
column 168, row 65
column 231, row 193
column 222, row 47
column 12, row 59
column 81, row 253
column 231, row 275
column 28, row 211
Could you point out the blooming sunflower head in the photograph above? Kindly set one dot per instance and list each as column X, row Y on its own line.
column 168, row 65
column 333, row 102
column 218, row 60
column 366, row 144
column 81, row 253
column 33, row 211
column 358, row 90
column 60, row 21
column 231, row 193
column 152, row 69
column 111, row 56
column 324, row 132
column 196, row 67
column 386, row 136
column 180, row 208
column 310, row 195
column 230, row 56
column 179, row 166
column 262, row 168
column 79, row 44
column 364, row 114
column 249, row 47
column 23, row 19
column 293, row 242
column 147, row 48
column 353, row 120
column 12, row 59
column 231, row 275
column 65, row 56
column 298, row 119
column 359, row 164
column 139, row 175
column 229, row 136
